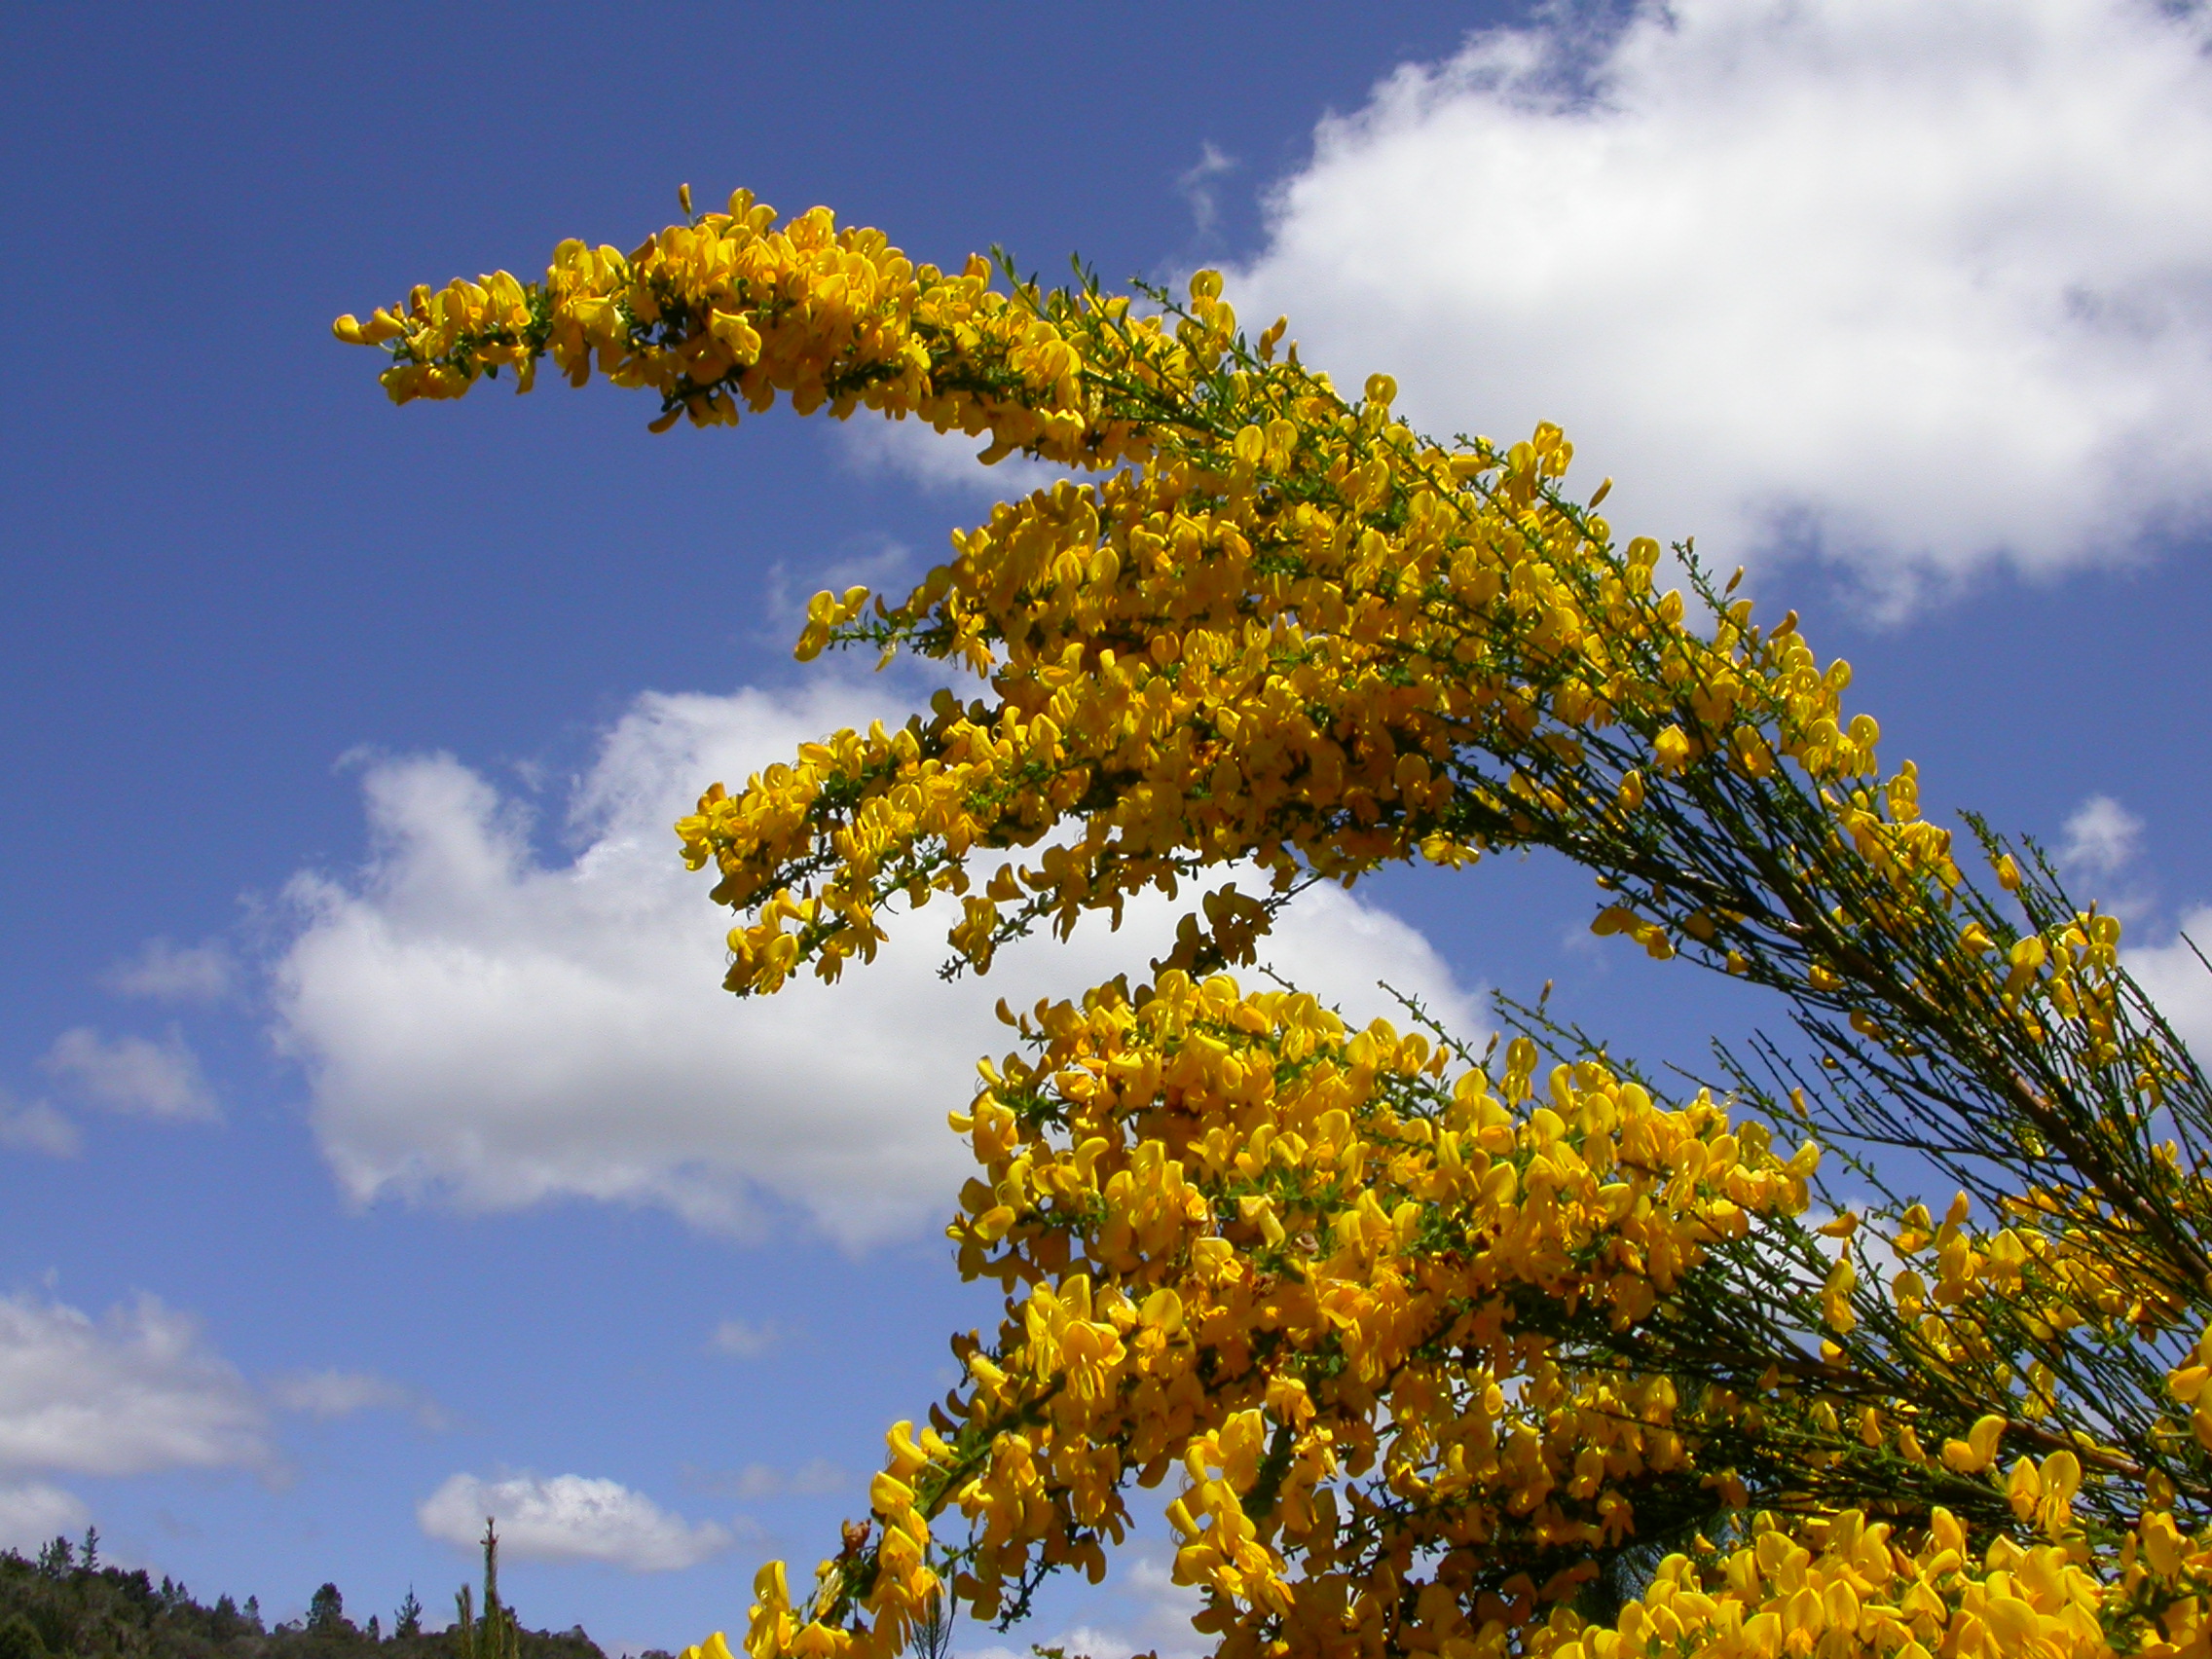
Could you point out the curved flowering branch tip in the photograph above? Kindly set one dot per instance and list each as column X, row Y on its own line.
column 1471, row 1355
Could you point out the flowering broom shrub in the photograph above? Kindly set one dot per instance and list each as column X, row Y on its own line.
column 1440, row 1351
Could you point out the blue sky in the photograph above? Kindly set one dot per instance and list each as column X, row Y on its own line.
column 374, row 1143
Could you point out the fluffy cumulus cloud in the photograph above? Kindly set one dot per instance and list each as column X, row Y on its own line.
column 570, row 1518
column 2101, row 837
column 942, row 461
column 1918, row 284
column 134, row 1074
column 1140, row 1607
column 2175, row 976
column 486, row 1023
column 34, row 1514
column 132, row 1393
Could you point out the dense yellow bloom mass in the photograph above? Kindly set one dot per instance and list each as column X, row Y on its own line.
column 1447, row 1353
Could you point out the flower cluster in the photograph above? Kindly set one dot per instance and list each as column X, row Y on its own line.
column 1298, row 1264
column 733, row 309
column 1289, row 645
column 1335, row 1281
column 1280, row 628
column 1442, row 1345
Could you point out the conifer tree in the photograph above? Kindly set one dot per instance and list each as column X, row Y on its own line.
column 496, row 1635
column 326, row 1612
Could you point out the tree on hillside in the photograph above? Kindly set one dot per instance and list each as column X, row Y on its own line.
column 19, row 1639
column 1439, row 1344
column 99, row 1613
column 326, row 1613
column 497, row 1633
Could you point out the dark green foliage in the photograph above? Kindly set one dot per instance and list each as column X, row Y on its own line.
column 19, row 1639
column 326, row 1613
column 56, row 1607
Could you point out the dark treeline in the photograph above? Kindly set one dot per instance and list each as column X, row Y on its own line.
column 64, row 1605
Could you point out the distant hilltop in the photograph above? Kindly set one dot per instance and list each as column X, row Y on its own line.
column 64, row 1605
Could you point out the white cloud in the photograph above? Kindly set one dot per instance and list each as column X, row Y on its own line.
column 743, row 1340
column 2100, row 837
column 1196, row 185
column 2179, row 982
column 1922, row 283
column 942, row 462
column 570, row 1518
column 816, row 1478
column 136, row 1391
column 481, row 1023
column 328, row 1394
column 131, row 1074
column 33, row 1516
column 35, row 1127
column 885, row 566
column 1162, row 1608
column 165, row 972
column 1141, row 1607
